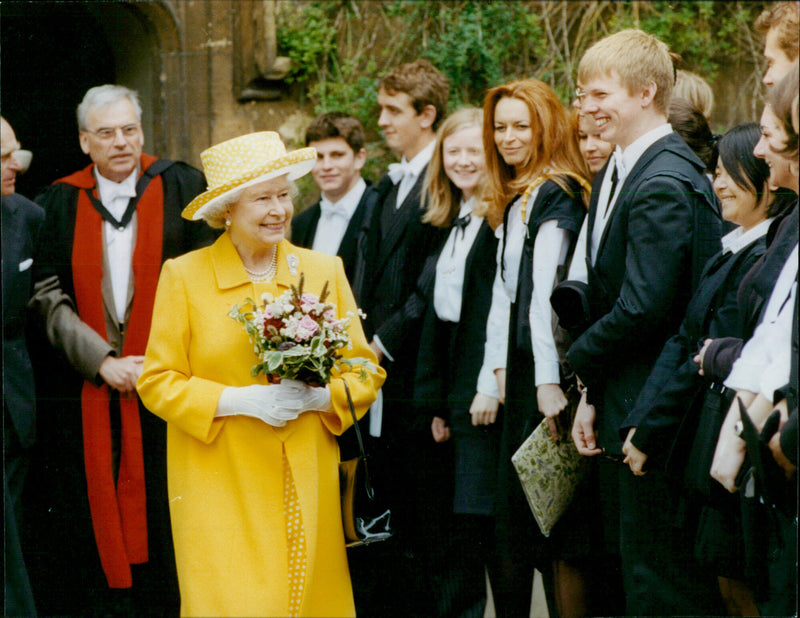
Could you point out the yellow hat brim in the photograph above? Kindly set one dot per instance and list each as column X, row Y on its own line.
column 295, row 164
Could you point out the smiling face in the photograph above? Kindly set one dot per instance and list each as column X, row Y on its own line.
column 773, row 140
column 116, row 154
column 513, row 135
column 739, row 204
column 593, row 150
column 338, row 168
column 463, row 160
column 778, row 63
column 616, row 112
column 258, row 219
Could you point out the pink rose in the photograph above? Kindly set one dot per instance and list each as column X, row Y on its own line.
column 307, row 302
column 306, row 328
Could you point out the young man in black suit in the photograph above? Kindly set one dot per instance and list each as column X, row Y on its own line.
column 392, row 253
column 333, row 224
column 653, row 221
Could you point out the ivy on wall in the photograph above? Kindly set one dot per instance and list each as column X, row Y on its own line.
column 340, row 48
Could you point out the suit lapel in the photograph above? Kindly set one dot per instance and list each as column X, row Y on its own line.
column 307, row 239
column 348, row 246
column 397, row 228
column 401, row 219
column 625, row 189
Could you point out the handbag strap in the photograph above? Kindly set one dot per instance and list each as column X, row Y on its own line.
column 355, row 420
column 367, row 482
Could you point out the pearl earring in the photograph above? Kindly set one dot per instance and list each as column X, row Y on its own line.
column 227, row 222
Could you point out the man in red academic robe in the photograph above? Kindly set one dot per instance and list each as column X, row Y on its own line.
column 101, row 512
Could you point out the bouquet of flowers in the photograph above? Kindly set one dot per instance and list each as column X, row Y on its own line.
column 297, row 336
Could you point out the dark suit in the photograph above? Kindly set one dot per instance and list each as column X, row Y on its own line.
column 21, row 222
column 393, row 249
column 448, row 364
column 663, row 228
column 304, row 229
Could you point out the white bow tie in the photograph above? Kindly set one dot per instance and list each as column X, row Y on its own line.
column 398, row 171
column 327, row 209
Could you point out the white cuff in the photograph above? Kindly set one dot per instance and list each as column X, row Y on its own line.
column 378, row 343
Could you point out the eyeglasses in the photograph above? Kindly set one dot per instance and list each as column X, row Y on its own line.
column 109, row 133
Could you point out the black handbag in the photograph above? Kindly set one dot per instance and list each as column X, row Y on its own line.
column 363, row 518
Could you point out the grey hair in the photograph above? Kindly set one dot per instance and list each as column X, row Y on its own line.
column 216, row 217
column 100, row 96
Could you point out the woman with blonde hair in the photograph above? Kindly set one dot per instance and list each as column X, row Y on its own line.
column 454, row 326
column 537, row 192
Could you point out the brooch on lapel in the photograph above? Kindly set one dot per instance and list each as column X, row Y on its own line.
column 293, row 262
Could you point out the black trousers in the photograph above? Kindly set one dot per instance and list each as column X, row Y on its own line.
column 16, row 584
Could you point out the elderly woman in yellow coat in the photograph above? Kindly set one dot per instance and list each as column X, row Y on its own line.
column 252, row 466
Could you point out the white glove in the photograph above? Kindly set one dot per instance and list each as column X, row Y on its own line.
column 256, row 401
column 275, row 404
column 300, row 397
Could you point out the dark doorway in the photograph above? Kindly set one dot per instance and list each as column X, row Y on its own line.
column 52, row 52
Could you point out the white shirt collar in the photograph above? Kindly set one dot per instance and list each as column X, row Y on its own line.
column 418, row 163
column 466, row 207
column 738, row 239
column 126, row 188
column 626, row 159
column 348, row 203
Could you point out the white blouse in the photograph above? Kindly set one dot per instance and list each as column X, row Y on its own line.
column 451, row 266
column 550, row 250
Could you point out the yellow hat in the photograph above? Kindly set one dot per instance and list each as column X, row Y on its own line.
column 244, row 161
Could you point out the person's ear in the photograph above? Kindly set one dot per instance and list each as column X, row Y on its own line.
column 83, row 138
column 360, row 159
column 427, row 117
column 648, row 94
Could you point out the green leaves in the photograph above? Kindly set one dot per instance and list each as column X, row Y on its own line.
column 339, row 49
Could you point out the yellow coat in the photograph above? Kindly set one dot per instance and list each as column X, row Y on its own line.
column 225, row 475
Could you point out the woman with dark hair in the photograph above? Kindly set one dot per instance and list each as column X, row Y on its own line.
column 676, row 419
column 536, row 203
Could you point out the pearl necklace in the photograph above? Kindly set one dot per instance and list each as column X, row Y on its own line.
column 267, row 275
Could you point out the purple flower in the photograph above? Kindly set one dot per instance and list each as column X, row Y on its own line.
column 286, row 345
